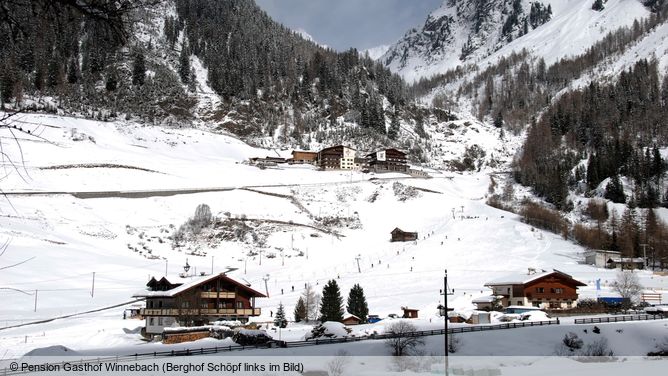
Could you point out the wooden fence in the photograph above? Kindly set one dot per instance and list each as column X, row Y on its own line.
column 608, row 319
column 285, row 344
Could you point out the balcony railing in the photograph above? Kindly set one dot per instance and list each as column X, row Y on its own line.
column 201, row 311
column 218, row 295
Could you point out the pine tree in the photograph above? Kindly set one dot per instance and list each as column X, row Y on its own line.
column 393, row 131
column 279, row 318
column 184, row 63
column 112, row 79
column 300, row 310
column 139, row 69
column 73, row 71
column 357, row 303
column 54, row 75
column 614, row 191
column 498, row 120
column 331, row 308
column 598, row 5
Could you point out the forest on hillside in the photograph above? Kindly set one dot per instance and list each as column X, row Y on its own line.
column 102, row 60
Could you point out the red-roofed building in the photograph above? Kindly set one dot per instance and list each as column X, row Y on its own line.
column 198, row 302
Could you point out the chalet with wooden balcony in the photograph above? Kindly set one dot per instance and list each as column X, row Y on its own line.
column 550, row 290
column 338, row 158
column 198, row 302
column 388, row 160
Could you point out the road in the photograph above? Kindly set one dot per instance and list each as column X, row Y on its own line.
column 179, row 191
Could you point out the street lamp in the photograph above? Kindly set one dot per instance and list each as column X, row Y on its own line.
column 186, row 267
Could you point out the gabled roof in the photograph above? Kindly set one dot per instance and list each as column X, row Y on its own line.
column 523, row 278
column 386, row 150
column 397, row 229
column 194, row 283
column 337, row 146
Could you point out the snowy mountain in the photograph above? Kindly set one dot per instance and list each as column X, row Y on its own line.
column 470, row 31
column 305, row 34
column 377, row 52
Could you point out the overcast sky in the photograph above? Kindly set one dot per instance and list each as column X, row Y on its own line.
column 342, row 24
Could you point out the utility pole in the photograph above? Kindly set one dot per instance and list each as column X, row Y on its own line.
column 35, row 310
column 92, row 289
column 245, row 263
column 358, row 263
column 453, row 213
column 644, row 253
column 260, row 252
column 212, row 257
column 446, row 292
column 166, row 264
column 282, row 259
column 266, row 289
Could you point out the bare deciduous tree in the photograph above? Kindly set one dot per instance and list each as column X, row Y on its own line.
column 627, row 285
column 311, row 301
column 404, row 342
column 336, row 366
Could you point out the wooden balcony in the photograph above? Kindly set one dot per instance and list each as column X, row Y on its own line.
column 218, row 295
column 200, row 312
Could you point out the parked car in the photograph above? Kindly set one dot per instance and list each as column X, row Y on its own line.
column 371, row 319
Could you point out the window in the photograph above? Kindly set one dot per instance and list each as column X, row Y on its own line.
column 557, row 291
column 159, row 321
column 240, row 305
column 185, row 305
column 537, row 303
column 519, row 302
column 159, row 303
column 540, row 290
column 150, row 304
column 151, row 321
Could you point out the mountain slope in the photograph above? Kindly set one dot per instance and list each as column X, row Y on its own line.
column 469, row 31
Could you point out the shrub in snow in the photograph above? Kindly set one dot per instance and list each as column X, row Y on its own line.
column 455, row 343
column 404, row 192
column 661, row 348
column 337, row 365
column 598, row 348
column 572, row 341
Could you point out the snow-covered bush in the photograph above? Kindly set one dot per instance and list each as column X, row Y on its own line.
column 329, row 329
column 404, row 192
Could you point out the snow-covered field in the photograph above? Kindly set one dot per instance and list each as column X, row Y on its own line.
column 124, row 241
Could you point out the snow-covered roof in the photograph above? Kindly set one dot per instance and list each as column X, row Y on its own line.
column 524, row 278
column 193, row 283
column 484, row 299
